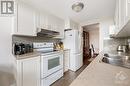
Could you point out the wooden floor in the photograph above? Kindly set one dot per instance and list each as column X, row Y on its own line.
column 69, row 76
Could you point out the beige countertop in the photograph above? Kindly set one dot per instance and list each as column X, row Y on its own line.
column 102, row 74
column 35, row 54
column 28, row 55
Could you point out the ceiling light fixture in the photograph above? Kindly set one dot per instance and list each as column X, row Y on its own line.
column 77, row 7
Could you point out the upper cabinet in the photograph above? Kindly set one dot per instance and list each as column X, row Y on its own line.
column 122, row 7
column 69, row 24
column 43, row 21
column 127, row 10
column 122, row 18
column 25, row 20
column 28, row 20
column 51, row 22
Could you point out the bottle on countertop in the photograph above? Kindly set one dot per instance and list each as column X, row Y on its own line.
column 59, row 46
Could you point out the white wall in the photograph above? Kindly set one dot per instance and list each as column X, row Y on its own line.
column 94, row 38
column 103, row 29
column 6, row 57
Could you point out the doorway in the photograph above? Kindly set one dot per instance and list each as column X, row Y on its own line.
column 90, row 42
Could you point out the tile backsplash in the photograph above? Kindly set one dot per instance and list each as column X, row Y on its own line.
column 25, row 39
column 112, row 44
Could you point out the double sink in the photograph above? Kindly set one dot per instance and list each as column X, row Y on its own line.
column 117, row 60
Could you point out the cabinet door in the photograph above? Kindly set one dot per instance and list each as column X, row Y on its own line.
column 26, row 23
column 44, row 21
column 28, row 72
column 73, row 25
column 127, row 10
column 116, row 17
column 66, row 60
column 60, row 25
column 31, row 72
column 121, row 13
column 51, row 22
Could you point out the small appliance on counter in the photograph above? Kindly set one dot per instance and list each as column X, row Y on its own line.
column 21, row 48
column 123, row 48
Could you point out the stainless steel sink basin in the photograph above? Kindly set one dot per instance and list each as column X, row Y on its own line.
column 123, row 61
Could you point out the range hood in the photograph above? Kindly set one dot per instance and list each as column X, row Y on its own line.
column 47, row 33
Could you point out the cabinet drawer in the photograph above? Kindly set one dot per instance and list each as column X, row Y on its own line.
column 52, row 78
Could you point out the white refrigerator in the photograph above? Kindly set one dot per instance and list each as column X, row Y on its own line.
column 73, row 41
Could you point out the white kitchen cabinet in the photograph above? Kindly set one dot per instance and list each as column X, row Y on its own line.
column 74, row 25
column 51, row 22
column 43, row 21
column 112, row 30
column 127, row 11
column 66, row 60
column 120, row 14
column 25, row 20
column 124, row 12
column 116, row 18
column 28, row 72
column 122, row 8
column 70, row 24
column 122, row 18
column 28, row 20
column 59, row 26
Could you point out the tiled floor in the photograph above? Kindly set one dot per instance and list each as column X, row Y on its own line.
column 69, row 76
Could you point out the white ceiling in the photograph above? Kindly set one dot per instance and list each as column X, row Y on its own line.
column 94, row 9
column 91, row 27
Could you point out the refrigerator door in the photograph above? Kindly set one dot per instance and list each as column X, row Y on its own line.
column 79, row 60
column 76, row 61
column 73, row 41
column 69, row 40
column 77, row 42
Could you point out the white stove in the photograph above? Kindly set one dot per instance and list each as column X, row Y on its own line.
column 51, row 63
column 44, row 47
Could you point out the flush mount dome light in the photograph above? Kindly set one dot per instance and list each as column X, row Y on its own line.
column 77, row 7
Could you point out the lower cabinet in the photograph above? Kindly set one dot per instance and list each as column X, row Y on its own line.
column 66, row 60
column 28, row 72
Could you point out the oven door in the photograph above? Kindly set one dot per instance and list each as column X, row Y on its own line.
column 51, row 64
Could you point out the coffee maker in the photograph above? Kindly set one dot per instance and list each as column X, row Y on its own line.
column 21, row 48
